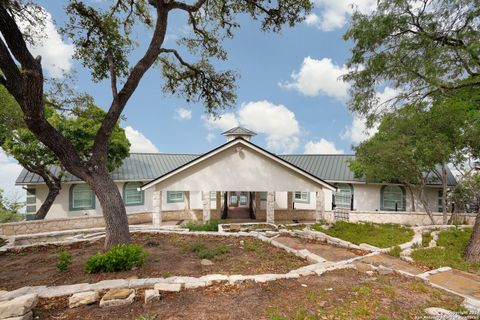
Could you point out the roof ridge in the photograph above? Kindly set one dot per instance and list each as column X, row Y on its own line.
column 317, row 154
column 167, row 153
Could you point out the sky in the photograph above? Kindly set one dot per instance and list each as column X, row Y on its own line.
column 289, row 91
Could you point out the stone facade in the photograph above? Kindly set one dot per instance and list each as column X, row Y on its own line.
column 87, row 222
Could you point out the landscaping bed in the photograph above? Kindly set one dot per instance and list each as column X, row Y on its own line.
column 168, row 255
column 451, row 245
column 341, row 294
column 378, row 235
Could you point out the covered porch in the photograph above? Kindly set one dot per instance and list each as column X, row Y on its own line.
column 243, row 179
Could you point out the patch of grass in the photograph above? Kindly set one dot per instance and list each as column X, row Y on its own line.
column 204, row 252
column 395, row 251
column 426, row 238
column 295, row 227
column 450, row 253
column 64, row 260
column 147, row 317
column 252, row 245
column 166, row 275
column 211, row 225
column 379, row 235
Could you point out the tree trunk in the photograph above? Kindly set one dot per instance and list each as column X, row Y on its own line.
column 53, row 191
column 444, row 194
column 114, row 213
column 410, row 189
column 472, row 252
column 424, row 202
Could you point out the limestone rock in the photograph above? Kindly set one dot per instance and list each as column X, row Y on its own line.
column 26, row 316
column 384, row 270
column 206, row 262
column 83, row 298
column 151, row 295
column 174, row 287
column 18, row 307
column 440, row 313
column 117, row 297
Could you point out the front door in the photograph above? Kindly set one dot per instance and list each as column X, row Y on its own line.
column 233, row 199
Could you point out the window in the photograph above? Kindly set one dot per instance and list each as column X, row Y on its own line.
column 343, row 196
column 392, row 196
column 81, row 197
column 440, row 200
column 31, row 200
column 213, row 196
column 243, row 198
column 131, row 195
column 174, row 196
column 301, row 197
column 263, row 196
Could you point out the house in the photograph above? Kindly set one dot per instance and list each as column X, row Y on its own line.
column 235, row 180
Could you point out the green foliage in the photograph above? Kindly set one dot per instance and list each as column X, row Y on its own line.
column 466, row 194
column 211, row 225
column 204, row 252
column 64, row 260
column 395, row 251
column 379, row 235
column 119, row 258
column 147, row 317
column 452, row 244
column 9, row 209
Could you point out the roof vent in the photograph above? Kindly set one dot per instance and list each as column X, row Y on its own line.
column 239, row 132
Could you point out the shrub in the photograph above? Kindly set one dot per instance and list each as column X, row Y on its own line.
column 119, row 258
column 204, row 252
column 64, row 260
column 211, row 225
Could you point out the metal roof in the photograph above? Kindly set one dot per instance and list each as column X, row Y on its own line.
column 239, row 131
column 149, row 166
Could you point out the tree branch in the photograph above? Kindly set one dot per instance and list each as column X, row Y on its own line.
column 186, row 7
column 113, row 74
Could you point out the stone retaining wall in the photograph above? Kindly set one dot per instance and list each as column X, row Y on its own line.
column 40, row 226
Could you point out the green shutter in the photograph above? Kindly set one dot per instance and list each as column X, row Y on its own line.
column 81, row 197
column 31, row 200
column 131, row 195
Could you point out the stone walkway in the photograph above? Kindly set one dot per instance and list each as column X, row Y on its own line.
column 464, row 283
column 328, row 252
column 393, row 263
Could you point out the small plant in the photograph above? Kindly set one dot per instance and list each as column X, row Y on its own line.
column 211, row 225
column 204, row 252
column 147, row 317
column 64, row 260
column 119, row 258
column 166, row 275
column 395, row 251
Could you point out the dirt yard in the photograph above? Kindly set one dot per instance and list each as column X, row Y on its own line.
column 169, row 255
column 342, row 294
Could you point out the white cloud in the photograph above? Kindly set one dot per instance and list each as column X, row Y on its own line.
column 56, row 54
column 9, row 171
column 183, row 114
column 139, row 143
column 277, row 122
column 224, row 122
column 358, row 131
column 334, row 13
column 319, row 77
column 322, row 147
column 210, row 136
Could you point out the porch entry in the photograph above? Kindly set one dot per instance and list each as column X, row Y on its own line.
column 238, row 205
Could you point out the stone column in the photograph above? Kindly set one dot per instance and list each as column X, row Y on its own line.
column 290, row 201
column 186, row 199
column 320, row 206
column 157, row 209
column 270, row 207
column 206, row 206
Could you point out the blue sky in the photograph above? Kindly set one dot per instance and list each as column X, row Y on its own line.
column 288, row 92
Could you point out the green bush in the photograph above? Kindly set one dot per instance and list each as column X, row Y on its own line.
column 64, row 260
column 204, row 252
column 119, row 258
column 211, row 225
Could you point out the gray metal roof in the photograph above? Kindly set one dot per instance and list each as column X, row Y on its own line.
column 149, row 166
column 239, row 131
